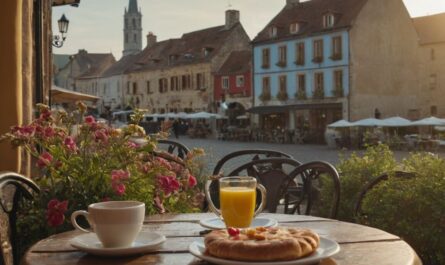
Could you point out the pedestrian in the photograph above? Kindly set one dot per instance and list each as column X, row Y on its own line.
column 176, row 128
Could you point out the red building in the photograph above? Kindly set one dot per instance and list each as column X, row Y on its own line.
column 233, row 81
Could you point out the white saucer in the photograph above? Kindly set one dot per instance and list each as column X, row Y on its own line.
column 326, row 249
column 217, row 223
column 145, row 242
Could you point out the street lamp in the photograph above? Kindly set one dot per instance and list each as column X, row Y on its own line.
column 63, row 23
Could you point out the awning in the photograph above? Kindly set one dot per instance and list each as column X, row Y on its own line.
column 286, row 108
column 61, row 95
column 268, row 109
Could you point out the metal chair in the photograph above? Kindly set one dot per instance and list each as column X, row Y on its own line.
column 384, row 177
column 13, row 187
column 174, row 148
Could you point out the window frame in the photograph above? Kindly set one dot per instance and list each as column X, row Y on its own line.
column 225, row 83
column 282, row 56
column 300, row 53
column 265, row 58
column 318, row 51
column 337, row 42
column 240, row 81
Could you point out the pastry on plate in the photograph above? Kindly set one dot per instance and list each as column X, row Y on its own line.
column 261, row 244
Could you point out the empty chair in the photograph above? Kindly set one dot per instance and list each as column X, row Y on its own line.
column 358, row 205
column 13, row 187
column 174, row 148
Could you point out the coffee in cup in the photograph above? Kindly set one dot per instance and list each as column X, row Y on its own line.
column 116, row 223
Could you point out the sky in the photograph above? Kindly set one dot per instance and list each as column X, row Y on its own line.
column 97, row 25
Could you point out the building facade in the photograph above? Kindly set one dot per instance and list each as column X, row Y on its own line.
column 233, row 84
column 320, row 61
column 176, row 75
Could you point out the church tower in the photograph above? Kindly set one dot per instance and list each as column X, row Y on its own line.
column 132, row 29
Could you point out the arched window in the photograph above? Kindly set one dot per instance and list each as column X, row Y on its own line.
column 134, row 37
column 134, row 23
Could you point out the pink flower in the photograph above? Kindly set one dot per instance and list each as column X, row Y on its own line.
column 132, row 144
column 90, row 120
column 70, row 144
column 164, row 163
column 192, row 181
column 55, row 212
column 119, row 188
column 169, row 184
column 49, row 132
column 120, row 174
column 101, row 136
column 45, row 114
column 45, row 160
column 25, row 131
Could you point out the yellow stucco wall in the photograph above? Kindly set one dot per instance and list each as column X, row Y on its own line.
column 10, row 75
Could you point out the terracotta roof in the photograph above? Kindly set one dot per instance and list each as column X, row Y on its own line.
column 238, row 62
column 93, row 64
column 431, row 29
column 119, row 67
column 194, row 47
column 309, row 15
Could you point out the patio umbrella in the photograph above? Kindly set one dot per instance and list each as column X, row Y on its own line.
column 431, row 121
column 203, row 115
column 340, row 124
column 371, row 122
column 396, row 122
column 242, row 117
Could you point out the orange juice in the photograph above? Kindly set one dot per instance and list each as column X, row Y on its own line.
column 237, row 205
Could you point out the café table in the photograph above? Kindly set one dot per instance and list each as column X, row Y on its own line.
column 360, row 245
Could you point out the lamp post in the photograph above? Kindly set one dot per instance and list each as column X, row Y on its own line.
column 63, row 23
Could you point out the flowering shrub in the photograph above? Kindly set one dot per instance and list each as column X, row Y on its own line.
column 82, row 161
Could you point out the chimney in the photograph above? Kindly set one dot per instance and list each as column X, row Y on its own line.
column 232, row 17
column 292, row 2
column 151, row 39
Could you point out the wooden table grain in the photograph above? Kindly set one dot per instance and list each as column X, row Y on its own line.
column 360, row 245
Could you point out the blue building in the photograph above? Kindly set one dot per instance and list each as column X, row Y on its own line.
column 320, row 61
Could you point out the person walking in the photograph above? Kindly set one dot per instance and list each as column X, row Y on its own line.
column 176, row 128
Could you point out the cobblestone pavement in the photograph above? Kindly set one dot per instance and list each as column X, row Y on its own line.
column 216, row 149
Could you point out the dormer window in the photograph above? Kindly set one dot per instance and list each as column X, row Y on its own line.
column 273, row 31
column 328, row 20
column 294, row 28
column 207, row 51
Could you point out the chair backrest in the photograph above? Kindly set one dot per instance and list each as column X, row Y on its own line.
column 310, row 177
column 244, row 156
column 358, row 205
column 174, row 148
column 13, row 187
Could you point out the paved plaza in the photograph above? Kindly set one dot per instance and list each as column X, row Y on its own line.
column 216, row 149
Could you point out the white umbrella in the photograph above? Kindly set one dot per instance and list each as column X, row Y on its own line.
column 371, row 122
column 396, row 122
column 242, row 117
column 431, row 121
column 202, row 115
column 340, row 124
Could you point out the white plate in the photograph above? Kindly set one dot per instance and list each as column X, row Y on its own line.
column 217, row 223
column 145, row 242
column 326, row 249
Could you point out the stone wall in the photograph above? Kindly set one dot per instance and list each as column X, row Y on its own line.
column 383, row 71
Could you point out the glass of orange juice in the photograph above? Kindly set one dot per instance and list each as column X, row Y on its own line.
column 237, row 197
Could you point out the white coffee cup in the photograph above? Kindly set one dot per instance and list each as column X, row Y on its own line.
column 116, row 223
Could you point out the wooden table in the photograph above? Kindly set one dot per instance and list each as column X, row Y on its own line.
column 360, row 245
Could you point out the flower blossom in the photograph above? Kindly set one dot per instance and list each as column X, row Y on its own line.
column 25, row 131
column 164, row 163
column 117, row 177
column 44, row 160
column 192, row 181
column 90, row 119
column 169, row 184
column 101, row 136
column 70, row 144
column 55, row 213
column 49, row 132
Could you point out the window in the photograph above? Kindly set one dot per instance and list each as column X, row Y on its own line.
column 126, row 37
column 163, row 85
column 336, row 48
column 338, row 79
column 266, row 58
column 126, row 23
column 186, row 82
column 266, row 85
column 328, row 20
column 134, row 23
column 200, row 81
column 433, row 110
column 318, row 85
column 282, row 55
column 134, row 38
column 302, row 82
column 128, row 87
column 225, row 82
column 299, row 53
column 148, row 87
column 283, row 83
column 239, row 81
column 433, row 81
column 273, row 31
column 294, row 28
column 174, row 83
column 318, row 51
column 135, row 88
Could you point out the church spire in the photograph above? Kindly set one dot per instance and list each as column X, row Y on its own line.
column 133, row 6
